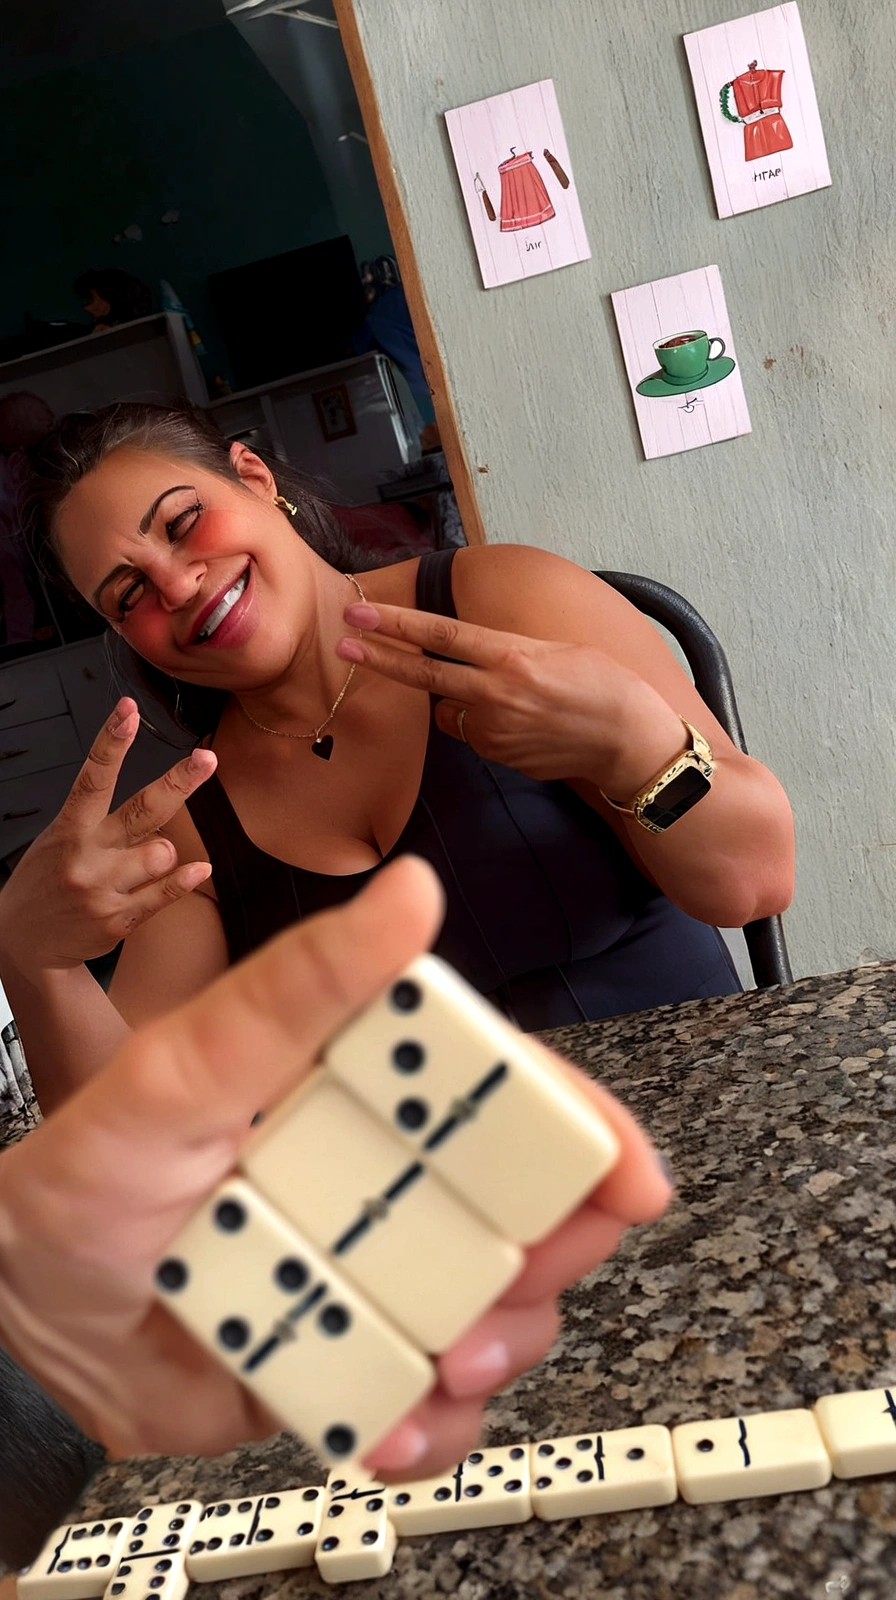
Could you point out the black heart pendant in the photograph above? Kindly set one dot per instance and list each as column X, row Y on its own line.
column 323, row 747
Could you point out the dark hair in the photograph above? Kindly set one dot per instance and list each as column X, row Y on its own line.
column 127, row 297
column 81, row 441
column 24, row 419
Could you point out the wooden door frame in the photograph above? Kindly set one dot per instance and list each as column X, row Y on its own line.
column 430, row 354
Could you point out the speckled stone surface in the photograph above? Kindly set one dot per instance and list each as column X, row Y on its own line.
column 772, row 1280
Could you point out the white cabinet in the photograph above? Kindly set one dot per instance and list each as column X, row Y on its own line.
column 351, row 426
column 140, row 360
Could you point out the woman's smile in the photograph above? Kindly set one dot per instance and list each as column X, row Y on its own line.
column 232, row 620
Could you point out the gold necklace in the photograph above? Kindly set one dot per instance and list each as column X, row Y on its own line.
column 322, row 747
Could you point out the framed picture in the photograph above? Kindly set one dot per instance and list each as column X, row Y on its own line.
column 679, row 357
column 758, row 111
column 334, row 412
column 518, row 187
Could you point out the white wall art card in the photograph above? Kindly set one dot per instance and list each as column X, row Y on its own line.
column 517, row 183
column 679, row 355
column 758, row 112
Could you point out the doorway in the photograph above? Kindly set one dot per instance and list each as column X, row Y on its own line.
column 224, row 160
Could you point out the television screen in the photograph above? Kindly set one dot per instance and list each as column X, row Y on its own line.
column 289, row 313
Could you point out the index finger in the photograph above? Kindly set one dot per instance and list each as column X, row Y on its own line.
column 467, row 642
column 90, row 796
column 145, row 812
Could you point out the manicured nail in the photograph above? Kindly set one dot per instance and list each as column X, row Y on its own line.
column 407, row 1445
column 350, row 650
column 120, row 724
column 362, row 616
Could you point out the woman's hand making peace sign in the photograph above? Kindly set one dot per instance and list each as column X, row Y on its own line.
column 103, row 872
column 550, row 710
column 553, row 673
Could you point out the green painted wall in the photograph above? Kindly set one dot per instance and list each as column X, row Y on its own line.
column 782, row 539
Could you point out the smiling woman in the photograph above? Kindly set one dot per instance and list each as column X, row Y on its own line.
column 503, row 715
column 175, row 435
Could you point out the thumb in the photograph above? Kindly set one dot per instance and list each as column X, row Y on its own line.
column 147, row 1138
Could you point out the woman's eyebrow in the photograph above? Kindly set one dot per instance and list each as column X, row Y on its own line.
column 144, row 526
column 147, row 517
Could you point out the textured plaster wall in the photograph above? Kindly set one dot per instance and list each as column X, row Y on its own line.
column 783, row 539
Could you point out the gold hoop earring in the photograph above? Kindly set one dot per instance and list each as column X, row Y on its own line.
column 285, row 505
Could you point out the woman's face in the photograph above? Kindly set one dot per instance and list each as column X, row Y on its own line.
column 97, row 306
column 202, row 576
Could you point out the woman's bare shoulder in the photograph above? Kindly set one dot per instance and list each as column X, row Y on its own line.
column 510, row 586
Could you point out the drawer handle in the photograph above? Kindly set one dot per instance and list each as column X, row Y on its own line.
column 7, row 755
column 13, row 816
column 6, row 705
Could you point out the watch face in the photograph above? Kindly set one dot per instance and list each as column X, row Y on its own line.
column 675, row 799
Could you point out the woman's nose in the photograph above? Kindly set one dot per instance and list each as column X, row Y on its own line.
column 179, row 584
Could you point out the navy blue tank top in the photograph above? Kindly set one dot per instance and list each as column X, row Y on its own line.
column 546, row 912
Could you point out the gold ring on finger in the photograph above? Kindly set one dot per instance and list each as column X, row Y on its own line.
column 460, row 724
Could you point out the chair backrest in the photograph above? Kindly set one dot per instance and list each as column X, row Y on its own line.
column 712, row 679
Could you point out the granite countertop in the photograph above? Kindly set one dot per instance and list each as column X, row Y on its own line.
column 769, row 1282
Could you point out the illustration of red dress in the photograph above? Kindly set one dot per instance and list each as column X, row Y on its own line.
column 525, row 201
column 757, row 95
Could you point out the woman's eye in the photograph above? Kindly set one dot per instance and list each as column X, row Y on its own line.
column 129, row 597
column 183, row 522
column 176, row 528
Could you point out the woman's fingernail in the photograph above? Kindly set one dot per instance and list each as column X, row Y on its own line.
column 350, row 650
column 362, row 616
column 665, row 1168
column 120, row 724
column 406, row 1446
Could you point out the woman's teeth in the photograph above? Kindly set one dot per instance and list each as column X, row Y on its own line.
column 222, row 608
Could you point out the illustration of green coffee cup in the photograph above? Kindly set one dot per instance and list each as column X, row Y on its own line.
column 685, row 357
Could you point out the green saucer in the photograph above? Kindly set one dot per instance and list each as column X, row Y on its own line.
column 659, row 384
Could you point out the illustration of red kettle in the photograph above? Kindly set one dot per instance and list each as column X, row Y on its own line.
column 757, row 96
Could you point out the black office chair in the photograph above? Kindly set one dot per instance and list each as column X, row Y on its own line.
column 712, row 679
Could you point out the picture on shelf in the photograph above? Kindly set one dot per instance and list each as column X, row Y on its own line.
column 678, row 351
column 758, row 112
column 516, row 179
column 334, row 412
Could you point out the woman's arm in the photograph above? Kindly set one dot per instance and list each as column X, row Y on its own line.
column 730, row 859
column 566, row 679
column 92, row 878
column 70, row 1027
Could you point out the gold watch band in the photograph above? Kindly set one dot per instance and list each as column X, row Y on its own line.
column 697, row 754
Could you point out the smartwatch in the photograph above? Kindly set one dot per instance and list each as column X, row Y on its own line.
column 672, row 792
